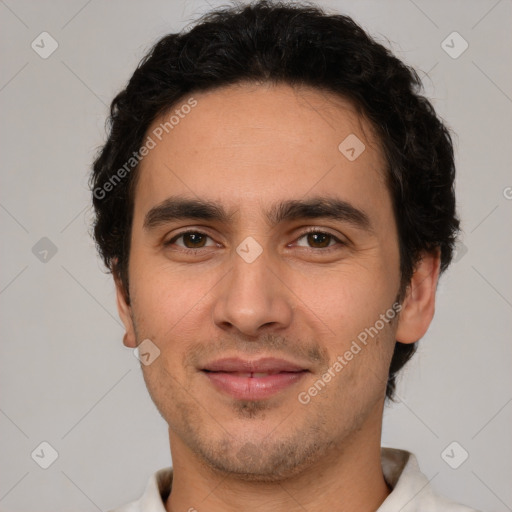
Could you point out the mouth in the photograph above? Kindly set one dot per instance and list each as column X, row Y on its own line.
column 253, row 380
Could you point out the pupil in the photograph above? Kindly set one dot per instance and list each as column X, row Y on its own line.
column 314, row 236
column 194, row 238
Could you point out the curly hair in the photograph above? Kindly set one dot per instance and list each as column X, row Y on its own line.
column 296, row 44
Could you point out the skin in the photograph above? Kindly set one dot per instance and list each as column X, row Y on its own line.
column 247, row 147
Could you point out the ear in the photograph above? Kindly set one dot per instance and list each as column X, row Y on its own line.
column 125, row 313
column 419, row 304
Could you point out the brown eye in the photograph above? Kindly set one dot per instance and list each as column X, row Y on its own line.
column 190, row 240
column 319, row 240
column 195, row 240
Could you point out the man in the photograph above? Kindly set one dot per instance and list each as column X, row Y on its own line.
column 275, row 202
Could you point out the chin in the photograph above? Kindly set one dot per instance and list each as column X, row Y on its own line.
column 263, row 461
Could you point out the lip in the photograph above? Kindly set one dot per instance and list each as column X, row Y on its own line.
column 239, row 378
column 264, row 365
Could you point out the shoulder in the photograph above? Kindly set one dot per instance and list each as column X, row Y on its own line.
column 411, row 489
column 154, row 496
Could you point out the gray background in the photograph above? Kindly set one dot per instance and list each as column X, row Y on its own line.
column 67, row 379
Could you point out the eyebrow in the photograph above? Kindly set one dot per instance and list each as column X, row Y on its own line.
column 182, row 208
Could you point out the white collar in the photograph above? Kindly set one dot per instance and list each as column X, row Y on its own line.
column 411, row 488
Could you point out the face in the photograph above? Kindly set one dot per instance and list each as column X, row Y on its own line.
column 260, row 254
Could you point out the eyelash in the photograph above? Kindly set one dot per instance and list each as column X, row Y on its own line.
column 187, row 250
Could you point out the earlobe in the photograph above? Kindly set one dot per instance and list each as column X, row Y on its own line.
column 419, row 304
column 125, row 313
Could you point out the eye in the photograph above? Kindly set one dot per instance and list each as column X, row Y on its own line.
column 319, row 239
column 191, row 240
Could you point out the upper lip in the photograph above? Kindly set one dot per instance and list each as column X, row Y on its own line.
column 264, row 365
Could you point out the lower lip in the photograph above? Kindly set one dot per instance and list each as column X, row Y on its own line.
column 253, row 388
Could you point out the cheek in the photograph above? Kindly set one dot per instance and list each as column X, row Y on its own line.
column 350, row 299
column 171, row 308
column 163, row 295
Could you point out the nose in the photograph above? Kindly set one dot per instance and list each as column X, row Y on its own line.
column 253, row 298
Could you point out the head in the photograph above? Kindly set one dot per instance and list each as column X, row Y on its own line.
column 289, row 135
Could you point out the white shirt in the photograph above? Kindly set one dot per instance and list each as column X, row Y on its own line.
column 411, row 489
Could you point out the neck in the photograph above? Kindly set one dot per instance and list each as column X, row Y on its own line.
column 348, row 478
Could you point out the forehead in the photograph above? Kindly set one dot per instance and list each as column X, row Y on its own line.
column 247, row 144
